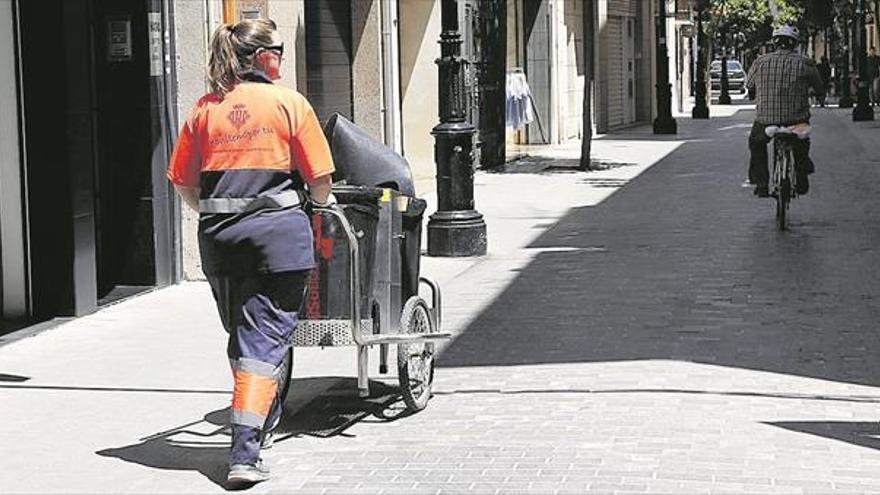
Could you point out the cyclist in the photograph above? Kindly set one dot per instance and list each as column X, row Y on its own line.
column 780, row 81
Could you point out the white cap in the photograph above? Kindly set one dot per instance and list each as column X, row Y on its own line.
column 788, row 31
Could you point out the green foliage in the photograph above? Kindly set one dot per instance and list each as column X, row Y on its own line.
column 744, row 23
column 790, row 12
column 738, row 13
column 747, row 24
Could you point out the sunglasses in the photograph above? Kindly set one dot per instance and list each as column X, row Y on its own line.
column 276, row 48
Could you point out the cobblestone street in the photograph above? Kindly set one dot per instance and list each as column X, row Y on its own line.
column 638, row 329
column 672, row 336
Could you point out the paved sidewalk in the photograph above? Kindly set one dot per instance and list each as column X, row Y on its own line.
column 642, row 328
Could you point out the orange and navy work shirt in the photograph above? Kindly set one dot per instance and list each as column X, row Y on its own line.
column 258, row 139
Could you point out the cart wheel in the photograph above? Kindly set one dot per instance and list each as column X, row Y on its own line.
column 415, row 362
column 284, row 373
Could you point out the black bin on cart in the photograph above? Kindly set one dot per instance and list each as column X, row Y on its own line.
column 362, row 161
column 329, row 287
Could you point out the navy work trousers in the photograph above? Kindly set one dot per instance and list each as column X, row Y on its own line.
column 260, row 313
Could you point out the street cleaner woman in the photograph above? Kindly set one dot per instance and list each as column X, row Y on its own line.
column 244, row 159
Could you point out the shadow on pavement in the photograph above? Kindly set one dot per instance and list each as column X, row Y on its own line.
column 861, row 433
column 830, row 398
column 184, row 448
column 6, row 377
column 685, row 264
column 545, row 164
column 107, row 389
column 203, row 445
column 689, row 130
column 337, row 408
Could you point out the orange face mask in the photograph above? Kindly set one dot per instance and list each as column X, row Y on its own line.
column 269, row 60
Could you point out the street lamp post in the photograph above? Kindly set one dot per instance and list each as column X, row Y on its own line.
column 664, row 123
column 701, row 108
column 845, row 94
column 456, row 229
column 724, row 97
column 863, row 110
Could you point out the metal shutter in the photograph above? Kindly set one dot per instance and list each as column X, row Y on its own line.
column 622, row 7
column 616, row 71
column 329, row 57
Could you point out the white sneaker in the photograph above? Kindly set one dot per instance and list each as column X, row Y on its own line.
column 245, row 473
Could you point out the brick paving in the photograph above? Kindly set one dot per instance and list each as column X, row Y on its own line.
column 666, row 340
column 661, row 339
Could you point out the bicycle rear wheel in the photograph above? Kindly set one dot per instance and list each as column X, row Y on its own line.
column 783, row 197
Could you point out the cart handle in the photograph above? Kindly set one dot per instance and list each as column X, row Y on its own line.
column 355, row 267
column 436, row 299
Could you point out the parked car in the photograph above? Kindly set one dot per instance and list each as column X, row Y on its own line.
column 736, row 75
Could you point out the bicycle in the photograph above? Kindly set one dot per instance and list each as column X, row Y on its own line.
column 783, row 179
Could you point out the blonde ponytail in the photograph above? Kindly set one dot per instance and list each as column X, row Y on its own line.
column 232, row 51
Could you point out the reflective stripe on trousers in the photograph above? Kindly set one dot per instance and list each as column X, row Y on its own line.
column 254, row 391
column 260, row 314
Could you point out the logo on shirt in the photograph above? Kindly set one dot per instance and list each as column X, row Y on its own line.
column 239, row 115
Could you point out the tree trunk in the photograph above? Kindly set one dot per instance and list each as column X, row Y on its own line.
column 587, row 137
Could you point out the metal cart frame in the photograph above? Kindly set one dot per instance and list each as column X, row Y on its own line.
column 387, row 306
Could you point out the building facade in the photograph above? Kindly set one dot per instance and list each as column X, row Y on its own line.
column 86, row 214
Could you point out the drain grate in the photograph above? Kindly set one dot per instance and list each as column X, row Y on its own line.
column 604, row 182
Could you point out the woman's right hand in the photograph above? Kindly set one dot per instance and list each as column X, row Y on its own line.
column 319, row 190
column 328, row 202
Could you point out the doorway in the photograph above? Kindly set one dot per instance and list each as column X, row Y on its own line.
column 99, row 209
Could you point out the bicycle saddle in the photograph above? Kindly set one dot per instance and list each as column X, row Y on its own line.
column 801, row 131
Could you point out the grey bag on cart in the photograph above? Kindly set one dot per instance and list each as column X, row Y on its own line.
column 363, row 161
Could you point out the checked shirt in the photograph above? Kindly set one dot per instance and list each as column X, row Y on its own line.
column 781, row 81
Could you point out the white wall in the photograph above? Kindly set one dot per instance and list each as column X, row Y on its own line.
column 681, row 68
column 571, row 69
column 366, row 67
column 12, row 245
column 194, row 21
column 419, row 48
column 289, row 16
